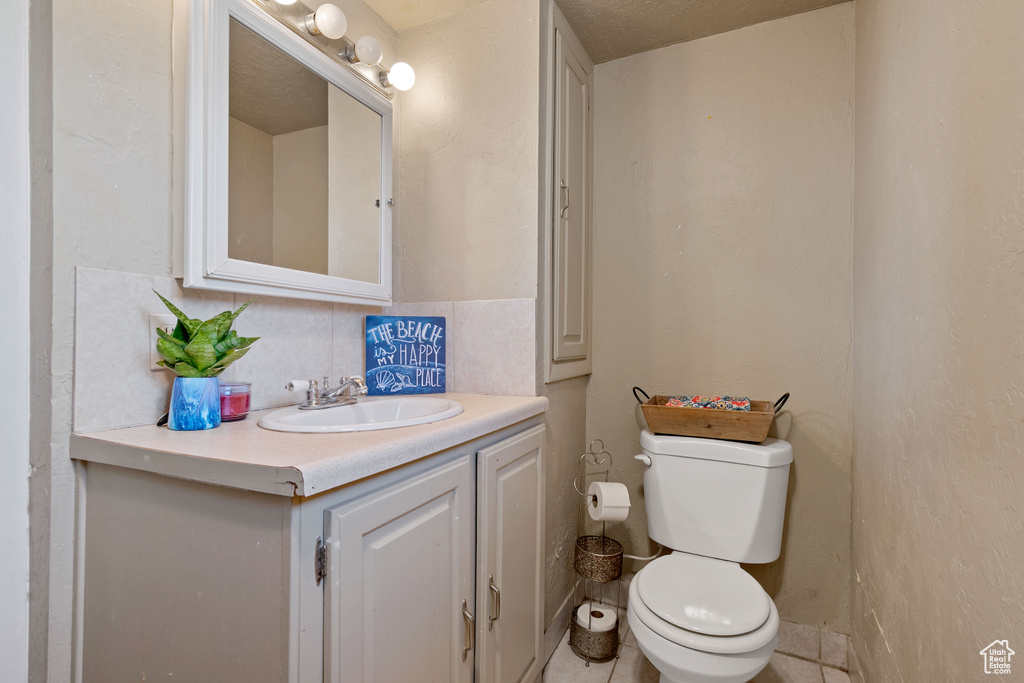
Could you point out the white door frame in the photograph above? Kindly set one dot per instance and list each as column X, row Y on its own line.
column 15, row 197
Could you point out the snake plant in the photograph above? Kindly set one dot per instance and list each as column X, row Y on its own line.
column 198, row 348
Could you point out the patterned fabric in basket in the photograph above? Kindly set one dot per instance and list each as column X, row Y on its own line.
column 716, row 402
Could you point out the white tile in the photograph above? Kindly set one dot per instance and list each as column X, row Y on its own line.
column 495, row 349
column 634, row 667
column 349, row 343
column 565, row 667
column 296, row 340
column 441, row 309
column 835, row 676
column 113, row 385
column 783, row 669
column 800, row 640
column 833, row 649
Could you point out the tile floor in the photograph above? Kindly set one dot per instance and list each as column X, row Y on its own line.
column 804, row 655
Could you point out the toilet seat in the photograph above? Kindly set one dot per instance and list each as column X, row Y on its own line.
column 704, row 604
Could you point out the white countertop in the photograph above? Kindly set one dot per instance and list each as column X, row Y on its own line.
column 243, row 455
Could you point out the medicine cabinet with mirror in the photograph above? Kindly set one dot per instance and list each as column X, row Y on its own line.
column 288, row 163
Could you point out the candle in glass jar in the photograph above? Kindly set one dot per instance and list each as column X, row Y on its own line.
column 234, row 400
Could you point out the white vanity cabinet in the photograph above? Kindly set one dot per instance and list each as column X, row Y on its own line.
column 510, row 559
column 399, row 574
column 413, row 594
column 184, row 580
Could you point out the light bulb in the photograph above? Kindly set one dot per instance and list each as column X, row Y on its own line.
column 328, row 20
column 401, row 76
column 285, row 2
column 369, row 50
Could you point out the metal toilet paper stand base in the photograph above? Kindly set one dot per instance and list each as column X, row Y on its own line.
column 598, row 562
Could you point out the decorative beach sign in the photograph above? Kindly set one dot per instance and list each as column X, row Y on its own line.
column 405, row 354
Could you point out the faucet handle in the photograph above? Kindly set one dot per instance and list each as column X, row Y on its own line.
column 359, row 384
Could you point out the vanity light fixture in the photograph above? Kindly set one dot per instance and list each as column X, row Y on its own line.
column 367, row 50
column 328, row 20
column 325, row 29
column 400, row 76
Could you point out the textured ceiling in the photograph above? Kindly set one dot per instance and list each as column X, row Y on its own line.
column 610, row 29
column 269, row 90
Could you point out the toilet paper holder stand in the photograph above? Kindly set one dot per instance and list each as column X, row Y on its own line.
column 598, row 561
column 595, row 458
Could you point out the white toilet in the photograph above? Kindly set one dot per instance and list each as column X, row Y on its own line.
column 695, row 613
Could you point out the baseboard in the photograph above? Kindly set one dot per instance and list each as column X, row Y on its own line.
column 557, row 628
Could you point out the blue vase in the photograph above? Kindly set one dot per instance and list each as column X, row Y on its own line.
column 195, row 404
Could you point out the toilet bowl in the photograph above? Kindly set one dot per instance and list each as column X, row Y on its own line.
column 695, row 613
column 702, row 620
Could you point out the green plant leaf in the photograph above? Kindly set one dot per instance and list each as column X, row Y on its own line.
column 180, row 332
column 200, row 348
column 225, row 323
column 191, row 324
column 233, row 341
column 171, row 352
column 180, row 343
column 186, row 370
column 230, row 357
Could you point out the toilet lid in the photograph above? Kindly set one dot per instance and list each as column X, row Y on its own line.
column 703, row 595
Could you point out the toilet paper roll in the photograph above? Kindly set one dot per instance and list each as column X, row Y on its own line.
column 609, row 501
column 297, row 385
column 597, row 617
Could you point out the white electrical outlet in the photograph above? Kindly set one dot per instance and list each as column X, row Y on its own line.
column 166, row 322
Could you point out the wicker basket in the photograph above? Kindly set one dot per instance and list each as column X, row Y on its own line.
column 594, row 646
column 734, row 425
column 598, row 558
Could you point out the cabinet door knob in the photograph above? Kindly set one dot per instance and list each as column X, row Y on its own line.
column 470, row 630
column 565, row 202
column 495, row 605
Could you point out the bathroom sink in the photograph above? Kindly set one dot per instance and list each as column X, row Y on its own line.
column 384, row 412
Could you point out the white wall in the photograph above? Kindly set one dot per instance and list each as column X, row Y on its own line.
column 300, row 200
column 468, row 163
column 113, row 201
column 250, row 193
column 15, row 203
column 722, row 260
column 938, row 523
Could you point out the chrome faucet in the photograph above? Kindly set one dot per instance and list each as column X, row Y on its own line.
column 319, row 396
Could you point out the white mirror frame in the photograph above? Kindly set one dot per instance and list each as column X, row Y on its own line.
column 206, row 263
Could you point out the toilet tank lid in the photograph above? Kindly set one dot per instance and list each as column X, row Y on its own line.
column 768, row 453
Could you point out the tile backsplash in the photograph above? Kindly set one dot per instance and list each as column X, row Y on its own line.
column 490, row 344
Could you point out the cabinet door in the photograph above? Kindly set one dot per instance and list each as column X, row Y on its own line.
column 571, row 250
column 400, row 566
column 510, row 559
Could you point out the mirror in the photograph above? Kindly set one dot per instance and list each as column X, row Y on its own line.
column 295, row 172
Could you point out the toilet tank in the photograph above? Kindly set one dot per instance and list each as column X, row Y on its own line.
column 722, row 499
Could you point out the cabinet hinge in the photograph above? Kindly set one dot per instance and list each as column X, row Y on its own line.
column 320, row 561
